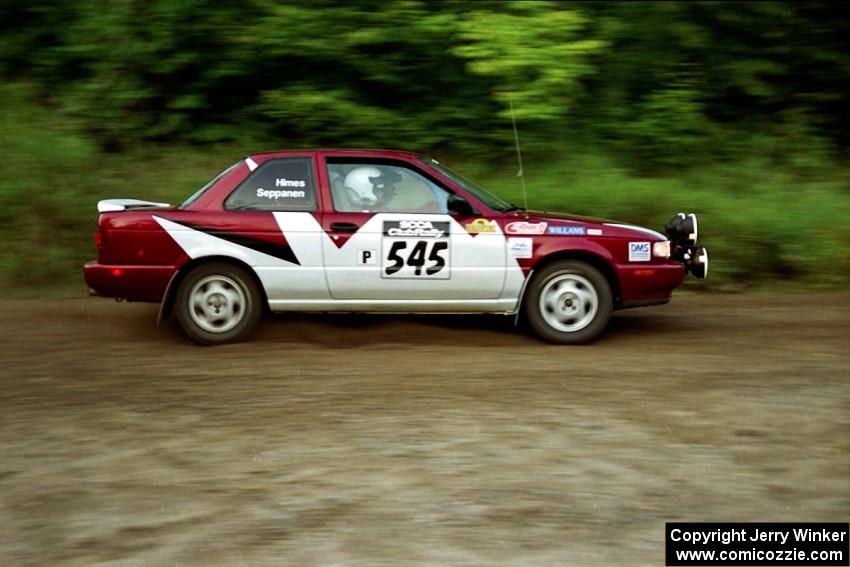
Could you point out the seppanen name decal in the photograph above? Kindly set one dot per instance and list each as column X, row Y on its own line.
column 283, row 193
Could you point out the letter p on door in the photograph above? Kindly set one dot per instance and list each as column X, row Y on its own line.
column 367, row 257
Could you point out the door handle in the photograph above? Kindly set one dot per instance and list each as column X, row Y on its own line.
column 344, row 227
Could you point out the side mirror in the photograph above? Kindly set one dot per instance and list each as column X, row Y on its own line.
column 459, row 206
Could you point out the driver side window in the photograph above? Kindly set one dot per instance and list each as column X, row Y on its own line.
column 380, row 187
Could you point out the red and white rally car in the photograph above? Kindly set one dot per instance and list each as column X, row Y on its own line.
column 377, row 231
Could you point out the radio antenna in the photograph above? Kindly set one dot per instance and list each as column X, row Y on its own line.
column 519, row 173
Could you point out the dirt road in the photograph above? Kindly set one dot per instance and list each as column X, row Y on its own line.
column 415, row 441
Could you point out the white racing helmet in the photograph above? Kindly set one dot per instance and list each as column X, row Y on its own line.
column 359, row 180
column 370, row 184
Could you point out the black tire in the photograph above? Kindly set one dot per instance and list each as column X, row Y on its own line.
column 218, row 303
column 568, row 302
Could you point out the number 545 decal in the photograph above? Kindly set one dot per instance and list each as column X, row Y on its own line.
column 404, row 258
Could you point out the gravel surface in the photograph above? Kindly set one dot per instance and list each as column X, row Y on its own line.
column 372, row 440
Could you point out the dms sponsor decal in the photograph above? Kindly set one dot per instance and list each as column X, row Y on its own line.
column 639, row 252
column 566, row 230
column 416, row 229
column 526, row 228
column 277, row 194
column 480, row 225
column 594, row 232
column 519, row 247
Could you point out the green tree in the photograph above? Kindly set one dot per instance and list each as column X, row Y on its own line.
column 536, row 54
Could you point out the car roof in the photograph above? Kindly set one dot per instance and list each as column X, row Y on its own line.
column 361, row 152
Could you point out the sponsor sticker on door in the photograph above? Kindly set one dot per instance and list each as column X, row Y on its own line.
column 415, row 249
column 519, row 247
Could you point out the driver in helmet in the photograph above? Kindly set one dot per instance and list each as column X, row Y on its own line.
column 371, row 187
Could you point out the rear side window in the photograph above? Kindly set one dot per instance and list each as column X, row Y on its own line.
column 194, row 196
column 284, row 184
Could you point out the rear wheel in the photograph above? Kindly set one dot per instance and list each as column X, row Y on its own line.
column 218, row 303
column 568, row 302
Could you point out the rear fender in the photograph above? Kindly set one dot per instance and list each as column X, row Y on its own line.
column 166, row 307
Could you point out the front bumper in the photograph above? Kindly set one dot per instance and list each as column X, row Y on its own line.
column 134, row 283
column 648, row 284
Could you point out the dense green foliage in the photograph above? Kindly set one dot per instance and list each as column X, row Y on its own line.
column 632, row 110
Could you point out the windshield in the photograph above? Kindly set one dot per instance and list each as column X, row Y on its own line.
column 482, row 195
column 194, row 196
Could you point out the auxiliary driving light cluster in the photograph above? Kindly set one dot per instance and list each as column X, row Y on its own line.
column 683, row 231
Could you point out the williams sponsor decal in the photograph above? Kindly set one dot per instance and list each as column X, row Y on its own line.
column 639, row 252
column 416, row 229
column 566, row 230
column 480, row 225
column 524, row 227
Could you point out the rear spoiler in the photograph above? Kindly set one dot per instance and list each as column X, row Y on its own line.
column 113, row 205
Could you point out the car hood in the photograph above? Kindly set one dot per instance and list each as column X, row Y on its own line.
column 611, row 228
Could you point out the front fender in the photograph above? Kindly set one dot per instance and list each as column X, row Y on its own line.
column 560, row 247
column 593, row 253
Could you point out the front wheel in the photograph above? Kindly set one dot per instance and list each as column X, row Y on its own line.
column 218, row 303
column 568, row 302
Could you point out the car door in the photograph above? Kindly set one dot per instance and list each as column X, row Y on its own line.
column 391, row 238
